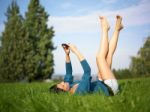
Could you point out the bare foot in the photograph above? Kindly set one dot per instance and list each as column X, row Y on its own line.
column 104, row 23
column 119, row 25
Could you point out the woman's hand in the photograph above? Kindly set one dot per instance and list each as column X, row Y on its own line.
column 66, row 49
column 73, row 48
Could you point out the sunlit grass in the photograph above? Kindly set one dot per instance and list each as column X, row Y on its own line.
column 35, row 97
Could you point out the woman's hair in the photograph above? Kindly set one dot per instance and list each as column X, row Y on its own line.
column 55, row 89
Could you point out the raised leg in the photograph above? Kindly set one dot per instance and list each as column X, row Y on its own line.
column 114, row 40
column 103, row 67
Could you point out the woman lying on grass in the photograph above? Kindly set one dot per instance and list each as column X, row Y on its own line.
column 106, row 82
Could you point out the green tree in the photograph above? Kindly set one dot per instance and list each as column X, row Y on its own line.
column 122, row 73
column 12, row 43
column 40, row 57
column 140, row 64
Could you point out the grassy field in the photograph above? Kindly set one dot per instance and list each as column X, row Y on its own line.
column 35, row 97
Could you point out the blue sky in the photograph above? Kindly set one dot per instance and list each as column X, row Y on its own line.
column 76, row 21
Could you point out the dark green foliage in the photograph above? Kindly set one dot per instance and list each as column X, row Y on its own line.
column 11, row 68
column 40, row 36
column 26, row 50
column 122, row 73
column 140, row 64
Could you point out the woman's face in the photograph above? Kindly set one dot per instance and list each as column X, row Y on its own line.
column 64, row 86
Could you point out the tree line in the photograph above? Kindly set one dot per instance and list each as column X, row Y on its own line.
column 140, row 64
column 26, row 44
column 26, row 47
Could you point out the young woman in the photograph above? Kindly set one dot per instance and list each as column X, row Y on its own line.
column 106, row 82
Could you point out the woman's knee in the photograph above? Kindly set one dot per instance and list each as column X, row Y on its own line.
column 109, row 58
column 100, row 58
column 110, row 54
column 101, row 63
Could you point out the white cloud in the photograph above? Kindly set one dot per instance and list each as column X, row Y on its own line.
column 132, row 16
column 73, row 24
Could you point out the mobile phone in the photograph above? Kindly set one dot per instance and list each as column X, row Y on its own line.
column 64, row 45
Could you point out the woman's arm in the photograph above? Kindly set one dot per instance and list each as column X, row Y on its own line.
column 74, row 49
column 81, row 58
column 68, row 66
column 68, row 58
column 68, row 62
column 67, row 52
column 68, row 77
column 84, row 85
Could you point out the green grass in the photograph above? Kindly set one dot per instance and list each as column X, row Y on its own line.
column 35, row 97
